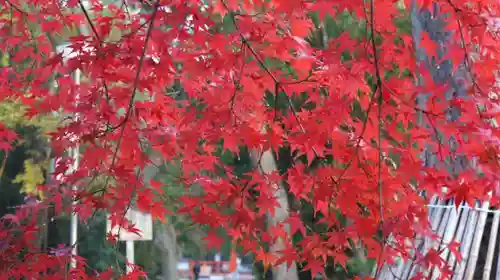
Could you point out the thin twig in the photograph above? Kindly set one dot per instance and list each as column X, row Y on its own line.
column 380, row 125
column 467, row 62
column 16, row 8
column 134, row 91
column 290, row 105
column 87, row 16
column 98, row 37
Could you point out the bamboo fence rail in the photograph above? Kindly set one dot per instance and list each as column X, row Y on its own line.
column 465, row 225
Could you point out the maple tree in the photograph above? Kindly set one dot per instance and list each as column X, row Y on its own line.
column 204, row 83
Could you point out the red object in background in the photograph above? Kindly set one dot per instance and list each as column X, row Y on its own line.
column 233, row 261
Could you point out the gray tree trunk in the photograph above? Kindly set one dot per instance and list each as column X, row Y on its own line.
column 433, row 22
column 165, row 237
column 267, row 166
column 166, row 240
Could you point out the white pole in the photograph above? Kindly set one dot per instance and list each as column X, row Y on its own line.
column 74, row 216
column 76, row 156
column 130, row 255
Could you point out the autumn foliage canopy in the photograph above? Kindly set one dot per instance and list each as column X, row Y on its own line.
column 191, row 82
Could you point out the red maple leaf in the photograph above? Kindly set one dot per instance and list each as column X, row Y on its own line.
column 336, row 109
column 296, row 224
column 268, row 259
column 316, row 267
column 288, row 255
column 213, row 240
column 300, row 27
column 430, row 46
column 454, row 248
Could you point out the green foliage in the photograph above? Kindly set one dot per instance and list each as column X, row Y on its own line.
column 32, row 148
column 32, row 176
column 13, row 114
column 100, row 254
column 10, row 196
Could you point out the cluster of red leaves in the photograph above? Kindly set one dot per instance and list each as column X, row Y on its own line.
column 229, row 73
column 7, row 136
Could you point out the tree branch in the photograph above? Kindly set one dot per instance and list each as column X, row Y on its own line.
column 380, row 125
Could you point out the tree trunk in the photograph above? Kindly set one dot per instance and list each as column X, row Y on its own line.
column 166, row 240
column 432, row 21
column 268, row 165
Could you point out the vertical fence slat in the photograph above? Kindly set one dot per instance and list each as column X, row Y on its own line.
column 436, row 219
column 448, row 235
column 466, row 244
column 497, row 276
column 409, row 265
column 463, row 221
column 440, row 232
column 491, row 246
column 476, row 243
